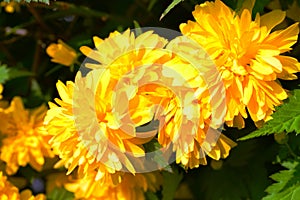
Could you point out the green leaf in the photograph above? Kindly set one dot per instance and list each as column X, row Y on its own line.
column 170, row 183
column 157, row 155
column 285, row 4
column 16, row 73
column 137, row 28
column 151, row 196
column 4, row 73
column 151, row 4
column 243, row 175
column 28, row 1
column 285, row 119
column 288, row 184
column 259, row 6
column 60, row 194
column 170, row 7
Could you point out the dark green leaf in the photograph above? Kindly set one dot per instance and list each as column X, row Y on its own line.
column 60, row 194
column 151, row 196
column 170, row 183
column 285, row 119
column 288, row 184
column 243, row 175
column 259, row 6
column 285, row 3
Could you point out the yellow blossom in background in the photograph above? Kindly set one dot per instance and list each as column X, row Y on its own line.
column 10, row 192
column 7, row 190
column 1, row 90
column 61, row 53
column 10, row 7
column 25, row 138
column 132, row 187
column 248, row 56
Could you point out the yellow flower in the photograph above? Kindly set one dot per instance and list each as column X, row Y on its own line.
column 27, row 195
column 7, row 190
column 248, row 56
column 132, row 187
column 26, row 139
column 10, row 7
column 61, row 53
column 1, row 90
column 91, row 128
column 98, row 144
column 191, row 148
column 185, row 110
column 10, row 192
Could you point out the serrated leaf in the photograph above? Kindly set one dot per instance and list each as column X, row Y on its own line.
column 285, row 119
column 170, row 183
column 288, row 184
column 27, row 1
column 170, row 7
column 60, row 194
column 4, row 73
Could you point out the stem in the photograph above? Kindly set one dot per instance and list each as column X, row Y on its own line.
column 290, row 150
column 38, row 18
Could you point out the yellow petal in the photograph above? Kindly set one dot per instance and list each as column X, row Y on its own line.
column 271, row 19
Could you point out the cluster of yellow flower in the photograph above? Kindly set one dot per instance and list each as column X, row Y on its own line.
column 10, row 192
column 93, row 128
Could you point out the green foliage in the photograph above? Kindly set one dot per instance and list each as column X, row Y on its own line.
column 169, row 8
column 242, row 175
column 286, row 3
column 4, row 73
column 16, row 73
column 259, row 6
column 60, row 194
column 285, row 119
column 12, row 73
column 157, row 155
column 28, row 1
column 288, row 184
column 170, row 183
column 151, row 196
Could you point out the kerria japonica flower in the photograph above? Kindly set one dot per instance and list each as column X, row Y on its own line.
column 61, row 53
column 94, row 126
column 25, row 139
column 10, row 192
column 1, row 90
column 248, row 54
column 131, row 187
